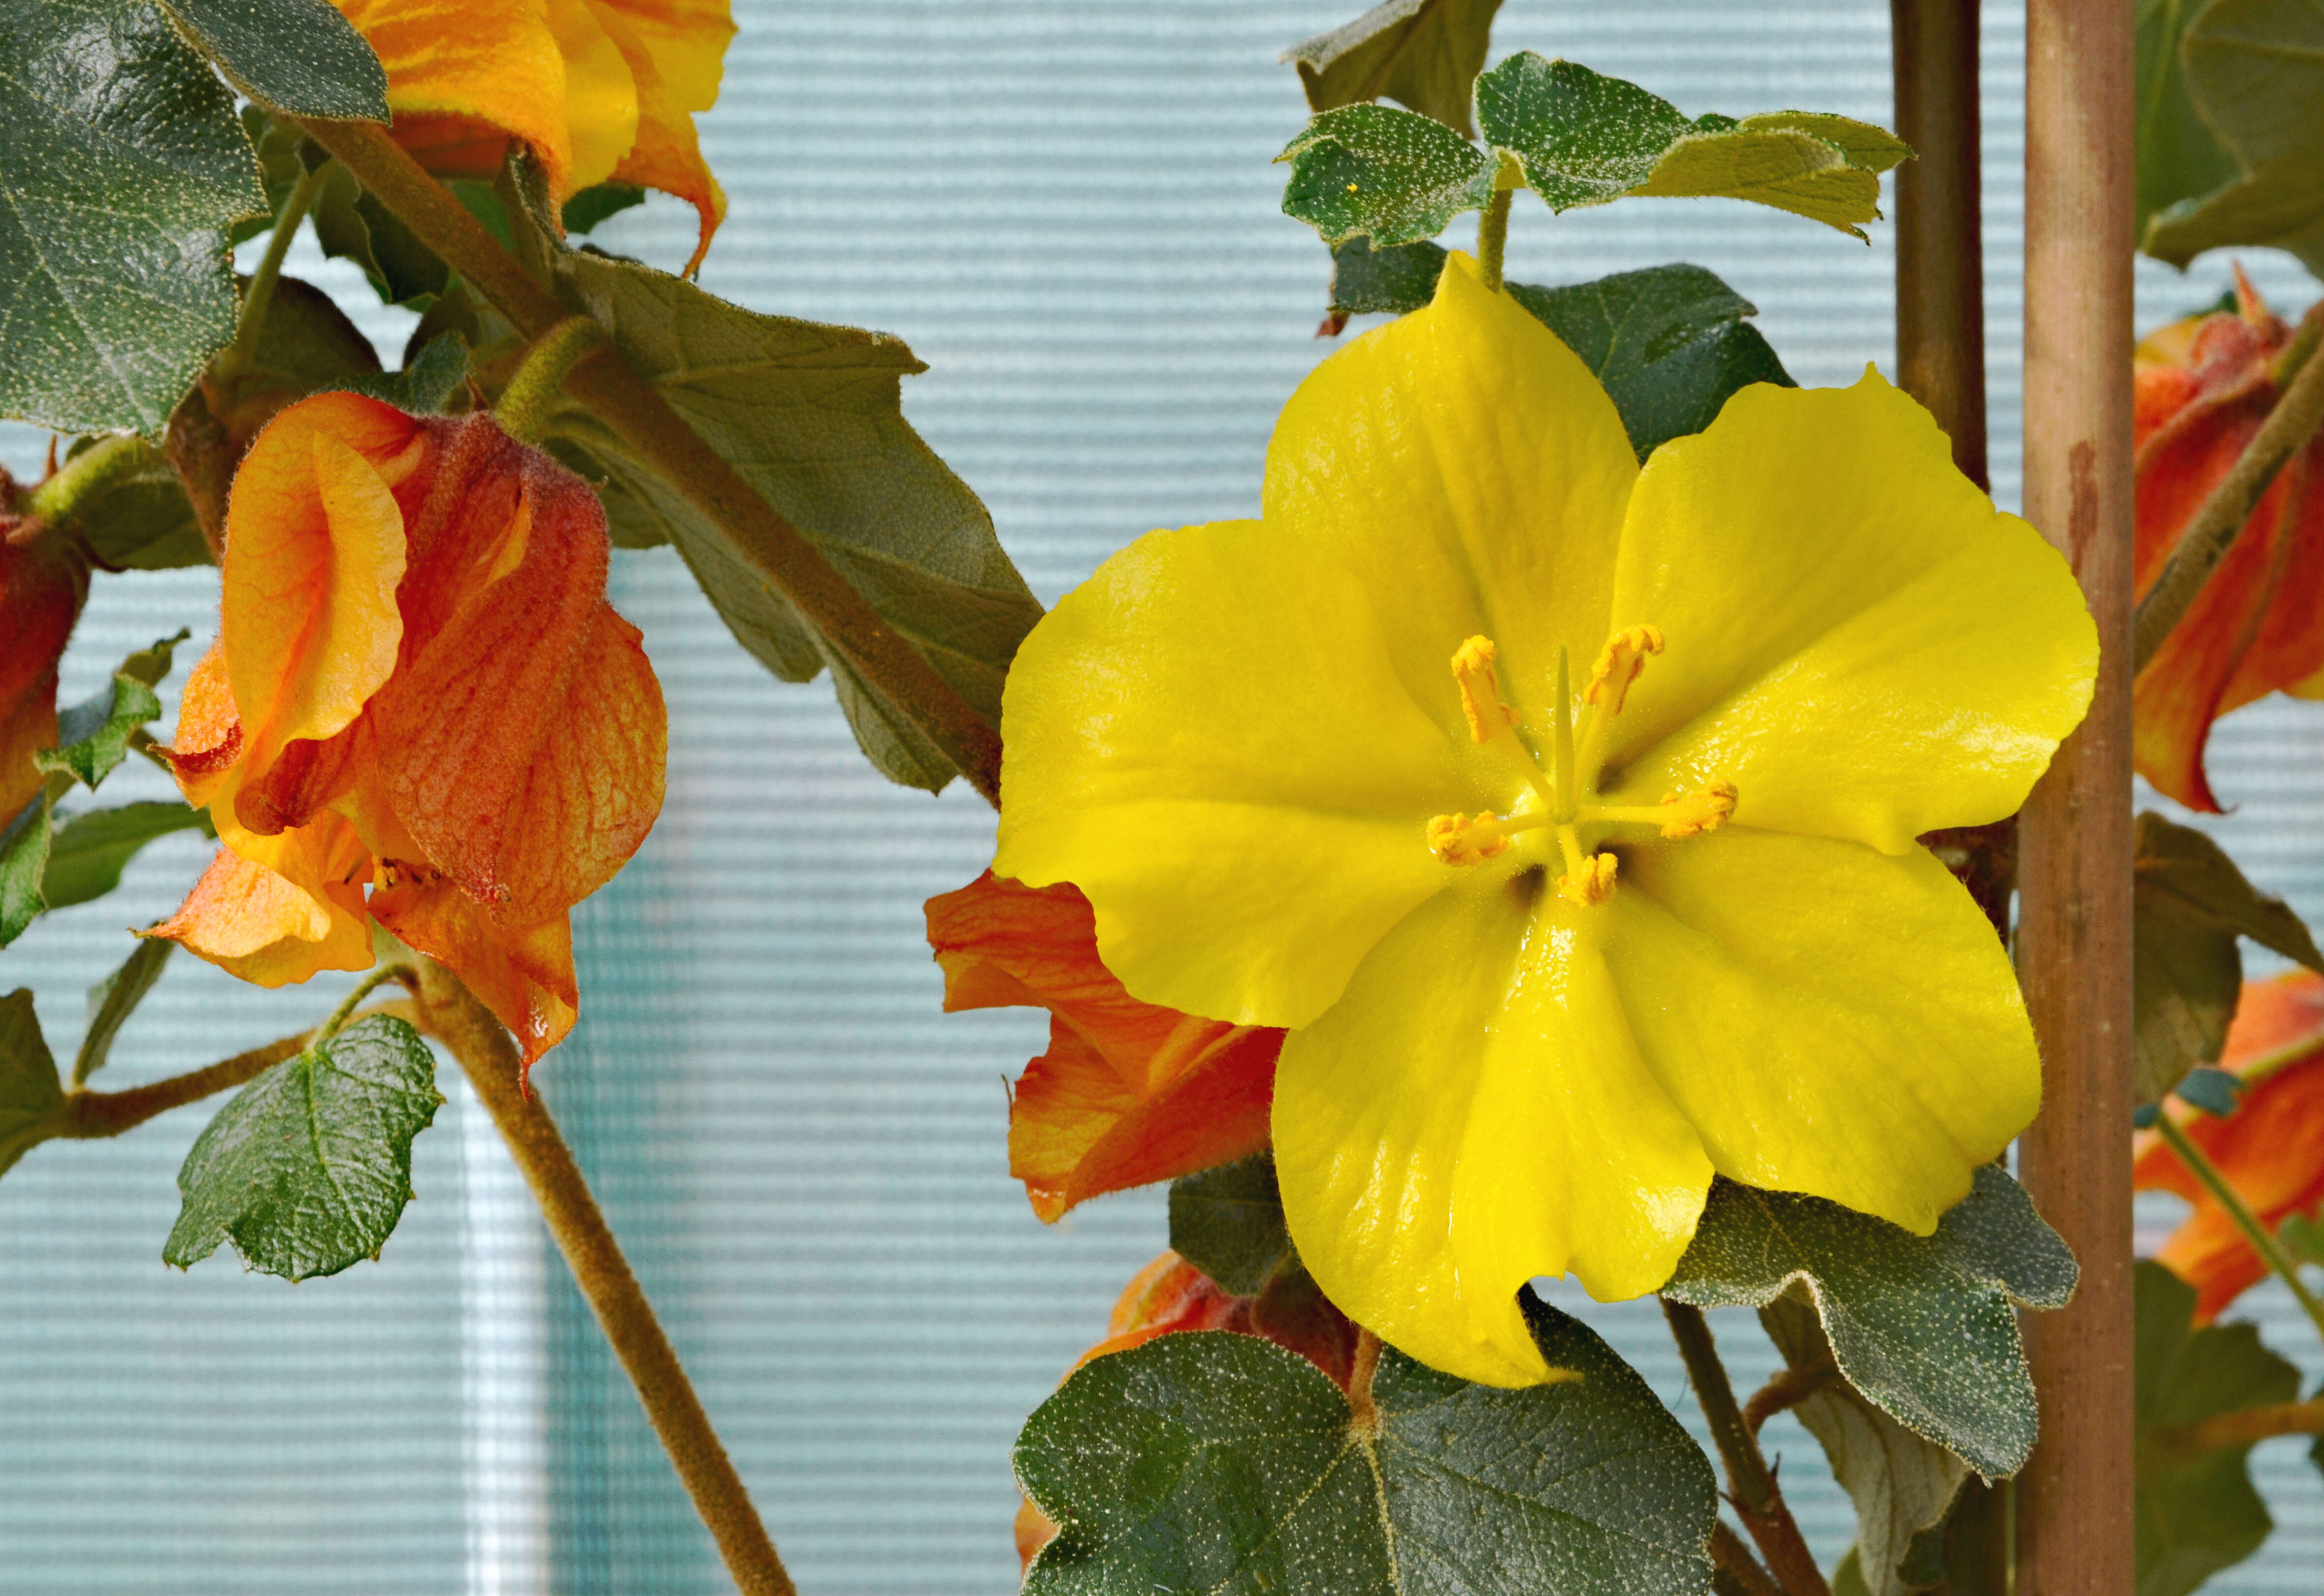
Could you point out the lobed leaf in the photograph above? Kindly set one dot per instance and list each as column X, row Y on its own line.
column 93, row 736
column 23, row 861
column 308, row 1169
column 1923, row 1325
column 1423, row 54
column 1216, row 1463
column 1394, row 177
column 29, row 1096
column 2189, row 904
column 87, row 851
column 1229, row 1223
column 112, row 1001
column 298, row 56
column 122, row 167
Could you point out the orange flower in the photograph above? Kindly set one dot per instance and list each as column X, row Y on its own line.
column 419, row 689
column 1170, row 1294
column 2271, row 1149
column 2204, row 387
column 598, row 89
column 42, row 587
column 1128, row 1092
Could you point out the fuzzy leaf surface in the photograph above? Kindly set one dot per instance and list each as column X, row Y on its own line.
column 2178, row 157
column 87, row 851
column 1229, row 1223
column 1422, row 54
column 1924, row 1326
column 299, row 57
column 29, row 1096
column 23, row 861
column 1215, row 1462
column 93, row 735
column 308, row 1169
column 1395, row 177
column 141, row 520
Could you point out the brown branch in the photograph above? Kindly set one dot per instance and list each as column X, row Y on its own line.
column 635, row 410
column 203, row 456
column 1940, row 222
column 2241, row 1428
column 489, row 1057
column 1785, row 1391
column 1750, row 1484
column 1734, row 1571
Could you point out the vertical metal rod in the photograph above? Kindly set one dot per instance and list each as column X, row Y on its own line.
column 2074, row 1499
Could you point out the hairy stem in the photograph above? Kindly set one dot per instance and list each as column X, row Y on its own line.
column 1493, row 236
column 2243, row 1428
column 259, row 295
column 635, row 410
column 488, row 1055
column 526, row 404
column 1785, row 1391
column 2295, row 420
column 1750, row 1484
column 91, row 1116
column 2271, row 1251
column 62, row 498
column 1734, row 1571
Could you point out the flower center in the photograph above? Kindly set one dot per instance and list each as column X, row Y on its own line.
column 1577, row 755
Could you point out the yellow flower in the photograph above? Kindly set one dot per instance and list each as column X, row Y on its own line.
column 1554, row 953
column 597, row 88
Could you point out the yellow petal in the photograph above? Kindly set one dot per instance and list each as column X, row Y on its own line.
column 1855, row 638
column 601, row 94
column 1474, row 474
column 675, row 55
column 1830, row 1019
column 687, row 39
column 1233, row 737
column 1473, row 1114
column 461, row 72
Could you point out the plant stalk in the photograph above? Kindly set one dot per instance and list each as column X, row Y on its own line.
column 2298, row 415
column 1493, row 236
column 488, row 1055
column 91, row 1116
column 2243, row 1428
column 1734, row 1571
column 2271, row 1251
column 60, row 498
column 634, row 409
column 1750, row 1484
column 531, row 397
column 260, row 296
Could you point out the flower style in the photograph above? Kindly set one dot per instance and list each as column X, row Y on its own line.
column 597, row 89
column 1564, row 811
column 2204, row 388
column 1128, row 1093
column 42, row 585
column 2271, row 1149
column 420, row 711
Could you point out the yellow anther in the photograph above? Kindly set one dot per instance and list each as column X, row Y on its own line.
column 1481, row 690
column 1697, row 812
column 1455, row 839
column 1590, row 885
column 1618, row 664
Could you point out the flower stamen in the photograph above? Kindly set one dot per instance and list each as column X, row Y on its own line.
column 1589, row 878
column 1456, row 839
column 1481, row 689
column 1618, row 666
column 1678, row 816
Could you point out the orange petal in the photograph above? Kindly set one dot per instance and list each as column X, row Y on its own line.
column 278, row 918
column 2271, row 1149
column 41, row 588
column 525, row 977
column 1128, row 1092
column 676, row 54
column 463, row 76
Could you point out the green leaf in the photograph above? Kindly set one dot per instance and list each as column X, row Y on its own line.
column 122, row 165
column 2178, row 158
column 298, row 56
column 1424, row 53
column 1394, row 176
column 112, row 1001
column 592, row 206
column 141, row 520
column 1920, row 1325
column 425, row 385
column 1901, row 1485
column 1229, row 1223
column 31, row 1100
column 2197, row 1514
column 2189, row 905
column 23, row 859
column 811, row 417
column 1669, row 343
column 2255, row 70
column 87, row 851
column 93, row 735
column 1221, row 1464
column 307, row 1170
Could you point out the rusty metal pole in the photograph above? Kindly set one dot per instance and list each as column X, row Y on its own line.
column 2074, row 1499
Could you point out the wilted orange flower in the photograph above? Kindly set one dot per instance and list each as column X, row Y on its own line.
column 597, row 88
column 2204, row 387
column 1128, row 1092
column 42, row 587
column 1171, row 1295
column 421, row 710
column 2271, row 1149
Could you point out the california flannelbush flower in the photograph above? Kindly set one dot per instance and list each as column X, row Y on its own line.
column 597, row 89
column 421, row 710
column 1564, row 811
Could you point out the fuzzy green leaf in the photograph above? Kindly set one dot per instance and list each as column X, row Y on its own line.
column 1394, row 177
column 121, row 166
column 1422, row 54
column 87, row 851
column 589, row 209
column 112, row 1001
column 141, row 519
column 2190, row 905
column 1923, row 1326
column 1221, row 1464
column 1229, row 1223
column 2198, row 1514
column 29, row 1096
column 307, row 1170
column 93, row 735
column 23, row 860
column 2178, row 157
column 299, row 57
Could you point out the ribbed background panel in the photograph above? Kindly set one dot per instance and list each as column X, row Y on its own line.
column 1067, row 208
